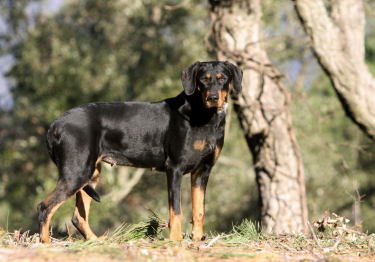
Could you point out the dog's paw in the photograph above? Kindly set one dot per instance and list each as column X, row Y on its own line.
column 198, row 238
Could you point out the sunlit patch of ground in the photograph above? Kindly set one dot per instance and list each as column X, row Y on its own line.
column 164, row 251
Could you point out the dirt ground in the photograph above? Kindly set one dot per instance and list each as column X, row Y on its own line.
column 191, row 252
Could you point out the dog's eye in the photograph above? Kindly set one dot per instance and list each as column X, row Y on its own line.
column 204, row 79
column 222, row 79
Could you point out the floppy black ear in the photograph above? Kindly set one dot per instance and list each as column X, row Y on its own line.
column 188, row 78
column 237, row 76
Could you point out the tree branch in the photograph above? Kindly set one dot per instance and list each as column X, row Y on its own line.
column 337, row 39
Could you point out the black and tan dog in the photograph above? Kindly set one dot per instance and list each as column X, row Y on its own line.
column 179, row 135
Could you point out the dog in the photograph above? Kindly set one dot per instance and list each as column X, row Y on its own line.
column 178, row 135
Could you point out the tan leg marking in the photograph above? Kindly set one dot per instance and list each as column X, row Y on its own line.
column 45, row 228
column 198, row 196
column 83, row 201
column 81, row 212
column 175, row 232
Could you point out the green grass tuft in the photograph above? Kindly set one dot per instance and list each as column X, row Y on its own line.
column 243, row 233
column 150, row 228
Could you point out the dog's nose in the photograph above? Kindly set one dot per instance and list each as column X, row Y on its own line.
column 213, row 98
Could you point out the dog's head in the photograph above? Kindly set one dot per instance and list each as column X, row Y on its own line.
column 212, row 80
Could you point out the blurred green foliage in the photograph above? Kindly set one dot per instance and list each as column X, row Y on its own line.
column 95, row 51
column 121, row 50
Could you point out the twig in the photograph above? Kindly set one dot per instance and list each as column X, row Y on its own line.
column 211, row 242
column 291, row 250
column 67, row 230
column 356, row 203
column 336, row 244
column 350, row 244
column 368, row 254
column 352, row 231
column 315, row 238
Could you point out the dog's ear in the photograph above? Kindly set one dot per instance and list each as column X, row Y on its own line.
column 188, row 78
column 237, row 76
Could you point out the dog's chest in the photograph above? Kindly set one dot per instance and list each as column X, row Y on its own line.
column 204, row 145
column 204, row 141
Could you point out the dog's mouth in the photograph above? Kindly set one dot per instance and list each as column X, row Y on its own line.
column 215, row 104
column 209, row 104
column 221, row 107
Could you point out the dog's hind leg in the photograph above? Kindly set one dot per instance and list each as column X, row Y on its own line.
column 48, row 207
column 80, row 218
column 72, row 178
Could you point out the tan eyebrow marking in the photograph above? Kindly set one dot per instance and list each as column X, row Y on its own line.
column 208, row 75
column 219, row 75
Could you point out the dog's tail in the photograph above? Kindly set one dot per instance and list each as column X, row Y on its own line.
column 51, row 133
column 91, row 192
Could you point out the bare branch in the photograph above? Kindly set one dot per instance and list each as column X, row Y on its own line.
column 337, row 39
column 127, row 185
column 174, row 7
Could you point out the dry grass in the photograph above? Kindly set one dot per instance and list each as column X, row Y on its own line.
column 143, row 242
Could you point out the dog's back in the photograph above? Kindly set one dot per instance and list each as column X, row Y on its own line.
column 131, row 134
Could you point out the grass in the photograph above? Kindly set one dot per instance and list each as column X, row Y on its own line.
column 330, row 241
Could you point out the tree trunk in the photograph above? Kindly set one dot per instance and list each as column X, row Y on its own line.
column 263, row 110
column 337, row 33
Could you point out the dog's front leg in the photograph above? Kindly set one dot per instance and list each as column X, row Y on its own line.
column 199, row 181
column 174, row 178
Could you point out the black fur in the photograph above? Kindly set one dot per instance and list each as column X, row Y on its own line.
column 160, row 136
column 91, row 192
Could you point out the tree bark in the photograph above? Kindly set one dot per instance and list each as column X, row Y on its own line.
column 263, row 110
column 337, row 32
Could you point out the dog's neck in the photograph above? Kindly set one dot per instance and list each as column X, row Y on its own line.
column 197, row 113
